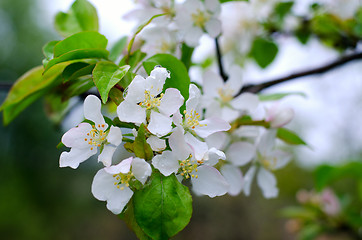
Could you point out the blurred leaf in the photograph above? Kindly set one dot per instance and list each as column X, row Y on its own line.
column 263, row 51
column 289, row 137
column 278, row 96
column 310, row 232
column 48, row 49
column 72, row 69
column 179, row 77
column 79, row 41
column 116, row 96
column 283, row 8
column 118, row 48
column 186, row 55
column 224, row 1
column 55, row 107
column 133, row 60
column 299, row 213
column 140, row 147
column 82, row 16
column 77, row 87
column 106, row 75
column 163, row 207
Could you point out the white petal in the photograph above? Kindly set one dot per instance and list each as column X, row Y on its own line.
column 235, row 81
column 114, row 136
column 171, row 101
column 75, row 137
column 131, row 112
column 212, row 5
column 218, row 140
column 156, row 143
column 178, row 144
column 234, row 177
column 211, row 125
column 214, row 156
column 282, row 158
column 104, row 189
column 199, row 148
column 106, row 156
column 166, row 163
column 177, row 118
column 192, row 36
column 160, row 74
column 209, row 182
column 240, row 153
column 267, row 183
column 246, row 102
column 229, row 115
column 267, row 142
column 282, row 117
column 248, row 179
column 136, row 90
column 123, row 167
column 212, row 82
column 159, row 124
column 75, row 157
column 92, row 110
column 213, row 27
column 141, row 169
column 194, row 98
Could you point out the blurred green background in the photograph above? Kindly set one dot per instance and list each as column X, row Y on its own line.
column 39, row 200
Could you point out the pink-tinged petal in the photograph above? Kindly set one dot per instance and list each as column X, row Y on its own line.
column 267, row 182
column 218, row 140
column 159, row 124
column 141, row 169
column 77, row 137
column 234, row 177
column 92, row 110
column 214, row 156
column 213, row 27
column 192, row 36
column 240, row 153
column 248, row 179
column 210, row 126
column 246, row 102
column 267, row 142
column 123, row 167
column 199, row 148
column 194, row 98
column 115, row 136
column 282, row 158
column 209, row 182
column 131, row 112
column 282, row 117
column 212, row 82
column 136, row 90
column 156, row 143
column 235, row 81
column 104, row 189
column 177, row 118
column 106, row 156
column 171, row 101
column 166, row 163
column 178, row 144
column 75, row 157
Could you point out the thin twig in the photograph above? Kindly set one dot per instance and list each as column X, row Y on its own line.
column 255, row 88
column 219, row 60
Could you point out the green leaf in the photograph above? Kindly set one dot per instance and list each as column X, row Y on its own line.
column 263, row 51
column 299, row 212
column 72, row 69
column 116, row 96
column 179, row 77
column 186, row 55
column 78, row 41
column 106, row 75
column 283, row 8
column 224, row 1
column 48, row 49
column 82, row 16
column 140, row 147
column 289, row 137
column 77, row 87
column 133, row 60
column 118, row 48
column 278, row 96
column 55, row 107
column 163, row 207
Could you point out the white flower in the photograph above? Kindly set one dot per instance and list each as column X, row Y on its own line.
column 182, row 161
column 220, row 98
column 112, row 184
column 192, row 122
column 269, row 159
column 85, row 139
column 158, row 40
column 234, row 177
column 194, row 17
column 279, row 116
column 144, row 101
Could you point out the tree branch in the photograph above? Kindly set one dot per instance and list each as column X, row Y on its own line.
column 255, row 88
column 219, row 60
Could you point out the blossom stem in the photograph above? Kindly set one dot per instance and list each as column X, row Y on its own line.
column 219, row 60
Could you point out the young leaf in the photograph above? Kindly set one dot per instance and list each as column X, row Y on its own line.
column 106, row 75
column 163, row 207
column 179, row 77
column 140, row 147
column 263, row 51
column 289, row 137
column 283, row 8
column 48, row 49
column 82, row 16
column 278, row 96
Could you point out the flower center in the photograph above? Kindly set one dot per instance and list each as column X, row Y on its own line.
column 96, row 137
column 192, row 119
column 269, row 163
column 188, row 168
column 150, row 100
column 200, row 18
column 225, row 94
column 123, row 178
